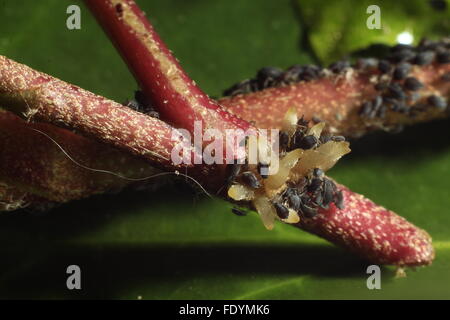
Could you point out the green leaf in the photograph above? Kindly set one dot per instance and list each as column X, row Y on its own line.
column 176, row 242
column 338, row 27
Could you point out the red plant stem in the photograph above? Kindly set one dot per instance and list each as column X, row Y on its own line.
column 372, row 232
column 337, row 100
column 42, row 97
column 153, row 66
column 37, row 96
column 34, row 164
column 178, row 99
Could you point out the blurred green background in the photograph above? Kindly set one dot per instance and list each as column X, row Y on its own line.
column 174, row 243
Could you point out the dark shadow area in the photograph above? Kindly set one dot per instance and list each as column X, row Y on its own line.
column 86, row 215
column 303, row 43
column 35, row 252
column 33, row 262
column 109, row 272
column 418, row 141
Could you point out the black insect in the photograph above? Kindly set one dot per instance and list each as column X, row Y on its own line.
column 395, row 91
column 412, row 84
column 281, row 210
column 437, row 102
column 284, row 140
column 302, row 185
column 384, row 66
column 317, row 172
column 302, row 123
column 443, row 57
column 233, row 171
column 328, row 192
column 339, row 200
column 318, row 198
column 338, row 138
column 314, row 184
column 366, row 109
column 251, row 180
column 292, row 74
column 269, row 72
column 427, row 44
column 401, row 71
column 364, row 63
column 142, row 104
column 325, row 138
column 382, row 112
column 308, row 211
column 294, row 201
column 339, row 66
column 238, row 212
column 298, row 136
column 267, row 76
column 424, row 58
column 133, row 104
column 309, row 72
column 377, row 102
column 316, row 119
column 307, row 142
column 141, row 98
column 289, row 191
column 401, row 55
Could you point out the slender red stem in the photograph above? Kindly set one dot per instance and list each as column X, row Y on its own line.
column 178, row 99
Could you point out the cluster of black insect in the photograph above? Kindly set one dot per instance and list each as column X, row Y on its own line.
column 273, row 77
column 399, row 93
column 142, row 104
column 307, row 196
column 304, row 197
column 268, row 77
column 300, row 138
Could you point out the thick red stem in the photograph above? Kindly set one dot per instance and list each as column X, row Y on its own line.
column 372, row 232
column 34, row 164
column 359, row 227
column 38, row 96
column 338, row 99
column 41, row 97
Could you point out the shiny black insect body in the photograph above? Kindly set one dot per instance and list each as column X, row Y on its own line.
column 281, row 210
column 251, row 180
